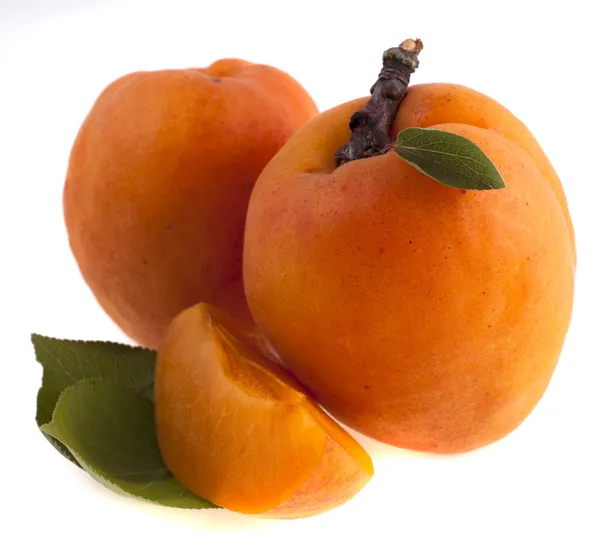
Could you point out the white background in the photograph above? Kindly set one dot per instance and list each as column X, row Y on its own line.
column 537, row 488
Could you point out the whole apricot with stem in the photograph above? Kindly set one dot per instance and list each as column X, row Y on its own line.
column 425, row 316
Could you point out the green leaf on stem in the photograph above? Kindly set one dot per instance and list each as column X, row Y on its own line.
column 448, row 158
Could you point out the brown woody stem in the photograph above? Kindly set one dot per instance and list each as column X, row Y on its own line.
column 371, row 126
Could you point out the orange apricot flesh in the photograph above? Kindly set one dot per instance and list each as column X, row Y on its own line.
column 238, row 430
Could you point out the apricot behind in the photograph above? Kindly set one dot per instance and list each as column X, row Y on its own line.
column 158, row 185
column 421, row 315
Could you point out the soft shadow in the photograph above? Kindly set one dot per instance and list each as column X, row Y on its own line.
column 216, row 520
column 380, row 451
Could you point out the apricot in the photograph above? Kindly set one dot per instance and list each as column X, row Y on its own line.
column 427, row 317
column 239, row 431
column 158, row 185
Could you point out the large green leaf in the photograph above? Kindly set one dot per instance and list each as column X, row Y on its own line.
column 109, row 429
column 450, row 159
column 66, row 362
column 96, row 407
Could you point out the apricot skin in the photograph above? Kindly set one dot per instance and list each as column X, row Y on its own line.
column 420, row 315
column 237, row 430
column 158, row 184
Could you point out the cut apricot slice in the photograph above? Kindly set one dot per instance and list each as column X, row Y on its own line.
column 237, row 429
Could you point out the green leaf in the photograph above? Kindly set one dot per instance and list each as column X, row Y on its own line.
column 450, row 159
column 109, row 429
column 66, row 362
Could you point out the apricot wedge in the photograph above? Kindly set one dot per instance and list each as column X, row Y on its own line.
column 237, row 429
